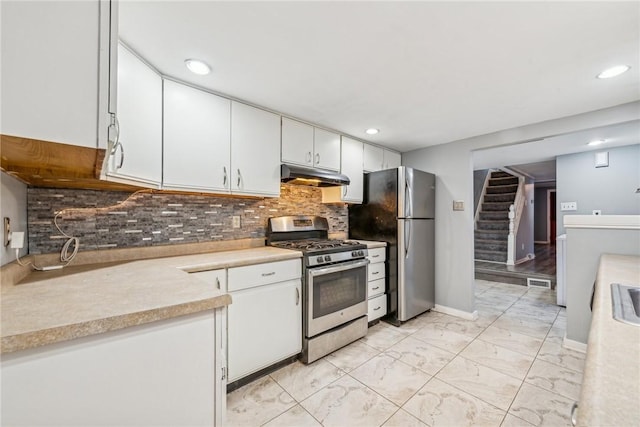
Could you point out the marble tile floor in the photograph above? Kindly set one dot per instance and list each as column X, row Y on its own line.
column 508, row 368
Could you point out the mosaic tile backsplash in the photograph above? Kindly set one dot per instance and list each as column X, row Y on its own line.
column 110, row 219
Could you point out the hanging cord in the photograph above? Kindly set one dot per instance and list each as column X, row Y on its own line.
column 65, row 256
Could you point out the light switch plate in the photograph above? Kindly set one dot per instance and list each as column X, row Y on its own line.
column 235, row 221
column 569, row 206
column 458, row 205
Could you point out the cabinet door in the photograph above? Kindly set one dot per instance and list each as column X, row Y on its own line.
column 326, row 150
column 137, row 158
column 50, row 70
column 392, row 159
column 264, row 327
column 197, row 139
column 351, row 165
column 255, row 151
column 297, row 143
column 373, row 158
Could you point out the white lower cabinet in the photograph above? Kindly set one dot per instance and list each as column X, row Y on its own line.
column 377, row 307
column 377, row 303
column 169, row 372
column 265, row 318
column 264, row 327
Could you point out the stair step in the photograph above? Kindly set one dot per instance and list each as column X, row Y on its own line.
column 501, row 235
column 502, row 189
column 500, row 174
column 491, row 245
column 494, row 215
column 493, row 225
column 496, row 256
column 500, row 197
column 511, row 180
column 498, row 206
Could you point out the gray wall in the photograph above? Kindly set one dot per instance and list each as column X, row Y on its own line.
column 479, row 177
column 610, row 189
column 13, row 204
column 524, row 237
column 584, row 247
column 453, row 165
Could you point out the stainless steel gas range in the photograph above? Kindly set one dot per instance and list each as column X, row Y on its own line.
column 334, row 287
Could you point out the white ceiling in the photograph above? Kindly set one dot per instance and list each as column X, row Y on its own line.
column 424, row 73
column 540, row 172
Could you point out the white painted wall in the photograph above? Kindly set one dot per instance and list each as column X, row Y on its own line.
column 13, row 204
column 609, row 189
column 453, row 165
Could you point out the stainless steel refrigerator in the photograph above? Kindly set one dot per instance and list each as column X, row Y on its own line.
column 399, row 208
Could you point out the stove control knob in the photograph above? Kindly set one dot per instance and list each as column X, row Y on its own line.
column 361, row 253
column 354, row 253
column 327, row 258
column 319, row 259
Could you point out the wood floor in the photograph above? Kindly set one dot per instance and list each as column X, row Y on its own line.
column 543, row 266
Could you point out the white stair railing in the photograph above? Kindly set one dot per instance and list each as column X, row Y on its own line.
column 515, row 213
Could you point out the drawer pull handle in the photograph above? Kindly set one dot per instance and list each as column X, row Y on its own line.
column 268, row 274
column 377, row 287
column 377, row 308
column 217, row 283
column 375, row 272
column 375, row 256
column 297, row 296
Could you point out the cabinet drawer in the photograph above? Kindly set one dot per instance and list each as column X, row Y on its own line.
column 376, row 287
column 377, row 307
column 375, row 271
column 262, row 274
column 377, row 255
column 217, row 278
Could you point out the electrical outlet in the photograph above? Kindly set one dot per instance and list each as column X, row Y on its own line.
column 7, row 231
column 569, row 206
column 235, row 221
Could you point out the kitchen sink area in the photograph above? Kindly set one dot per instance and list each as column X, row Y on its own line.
column 626, row 303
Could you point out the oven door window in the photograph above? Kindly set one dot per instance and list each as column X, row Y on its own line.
column 336, row 291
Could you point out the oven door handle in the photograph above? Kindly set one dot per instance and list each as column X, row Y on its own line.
column 338, row 267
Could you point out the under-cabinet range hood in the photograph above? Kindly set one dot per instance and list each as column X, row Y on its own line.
column 314, row 177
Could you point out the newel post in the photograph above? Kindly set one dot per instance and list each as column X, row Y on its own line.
column 511, row 239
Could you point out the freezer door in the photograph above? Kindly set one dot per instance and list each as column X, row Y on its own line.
column 416, row 262
column 416, row 193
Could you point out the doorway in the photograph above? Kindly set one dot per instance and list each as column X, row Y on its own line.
column 551, row 216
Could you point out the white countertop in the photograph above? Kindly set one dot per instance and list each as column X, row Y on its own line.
column 371, row 244
column 627, row 222
column 59, row 305
column 610, row 394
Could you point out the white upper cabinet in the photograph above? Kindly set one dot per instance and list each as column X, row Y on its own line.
column 255, row 151
column 197, row 139
column 136, row 158
column 52, row 75
column 305, row 145
column 326, row 149
column 378, row 158
column 297, row 143
column 373, row 158
column 351, row 164
column 392, row 159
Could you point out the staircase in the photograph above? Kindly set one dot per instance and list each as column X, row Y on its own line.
column 492, row 227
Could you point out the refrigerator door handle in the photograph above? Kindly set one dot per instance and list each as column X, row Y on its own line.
column 408, row 200
column 407, row 240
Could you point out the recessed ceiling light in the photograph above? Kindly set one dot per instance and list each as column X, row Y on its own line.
column 597, row 142
column 372, row 131
column 613, row 71
column 197, row 67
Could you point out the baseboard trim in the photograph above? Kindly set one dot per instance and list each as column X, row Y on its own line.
column 455, row 312
column 574, row 345
column 529, row 257
column 541, row 242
